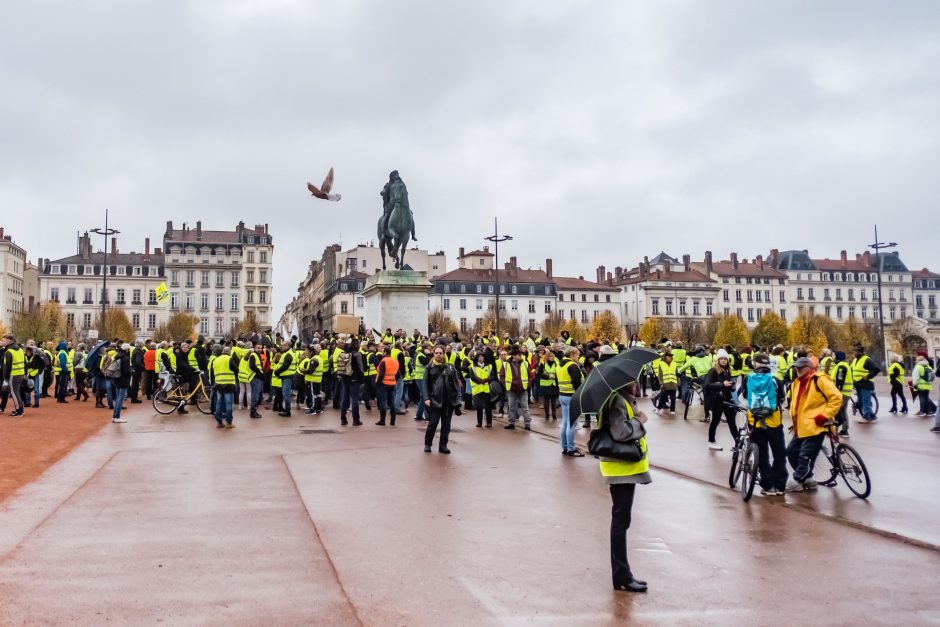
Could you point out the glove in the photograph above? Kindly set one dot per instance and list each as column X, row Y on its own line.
column 820, row 419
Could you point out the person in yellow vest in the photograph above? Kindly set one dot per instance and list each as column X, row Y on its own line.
column 122, row 382
column 277, row 400
column 285, row 372
column 569, row 377
column 62, row 368
column 480, row 376
column 668, row 375
column 548, row 382
column 896, row 379
column 863, row 371
column 223, row 376
column 251, row 373
column 621, row 417
column 421, row 359
column 841, row 375
column 922, row 381
column 12, row 372
column 47, row 379
column 516, row 383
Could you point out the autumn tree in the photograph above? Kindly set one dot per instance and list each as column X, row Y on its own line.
column 606, row 327
column 771, row 330
column 182, row 327
column 653, row 330
column 55, row 320
column 440, row 323
column 575, row 329
column 486, row 322
column 115, row 324
column 835, row 336
column 246, row 326
column 808, row 331
column 689, row 331
column 552, row 325
column 854, row 333
column 161, row 333
column 732, row 331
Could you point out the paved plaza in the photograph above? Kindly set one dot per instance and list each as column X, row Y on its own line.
column 300, row 521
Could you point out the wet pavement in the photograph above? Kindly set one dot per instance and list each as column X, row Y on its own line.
column 301, row 521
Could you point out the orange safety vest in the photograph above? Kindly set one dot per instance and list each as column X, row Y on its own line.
column 391, row 370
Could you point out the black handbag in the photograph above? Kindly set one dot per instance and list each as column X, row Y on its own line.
column 602, row 443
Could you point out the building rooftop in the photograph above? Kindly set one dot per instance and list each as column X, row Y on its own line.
column 476, row 253
column 516, row 275
column 633, row 276
column 924, row 273
column 579, row 283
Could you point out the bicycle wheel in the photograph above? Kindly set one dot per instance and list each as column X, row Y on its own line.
column 853, row 471
column 874, row 405
column 749, row 472
column 162, row 402
column 735, row 468
column 823, row 470
column 688, row 403
column 203, row 402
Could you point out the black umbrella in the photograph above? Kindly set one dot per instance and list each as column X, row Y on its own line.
column 607, row 377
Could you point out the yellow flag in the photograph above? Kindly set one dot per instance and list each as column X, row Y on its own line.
column 163, row 294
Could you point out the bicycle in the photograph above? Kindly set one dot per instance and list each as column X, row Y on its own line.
column 166, row 401
column 857, row 407
column 745, row 458
column 694, row 389
column 837, row 459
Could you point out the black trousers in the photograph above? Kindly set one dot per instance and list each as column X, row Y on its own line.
column 620, row 517
column 386, row 401
column 61, row 386
column 667, row 396
column 484, row 408
column 148, row 380
column 719, row 409
column 442, row 416
column 549, row 401
column 897, row 391
column 770, row 441
column 136, row 377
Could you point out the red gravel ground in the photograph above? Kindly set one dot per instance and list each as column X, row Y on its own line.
column 31, row 444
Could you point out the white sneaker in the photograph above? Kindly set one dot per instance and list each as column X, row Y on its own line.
column 712, row 446
column 119, row 420
column 794, row 486
column 672, row 413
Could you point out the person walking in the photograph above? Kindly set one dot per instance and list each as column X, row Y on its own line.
column 223, row 377
column 122, row 382
column 718, row 387
column 922, row 380
column 12, row 372
column 569, row 380
column 841, row 375
column 863, row 371
column 814, row 400
column 386, row 374
column 621, row 417
column 443, row 386
column 62, row 368
column 516, row 384
column 896, row 379
column 81, row 355
column 480, row 376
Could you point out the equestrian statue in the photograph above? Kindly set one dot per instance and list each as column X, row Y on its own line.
column 397, row 221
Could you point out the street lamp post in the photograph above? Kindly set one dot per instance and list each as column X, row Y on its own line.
column 878, row 246
column 105, row 232
column 496, row 238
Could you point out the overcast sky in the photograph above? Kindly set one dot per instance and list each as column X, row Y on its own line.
column 598, row 132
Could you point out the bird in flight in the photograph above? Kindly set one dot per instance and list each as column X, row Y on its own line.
column 324, row 191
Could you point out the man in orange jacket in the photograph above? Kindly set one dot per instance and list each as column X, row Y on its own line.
column 814, row 400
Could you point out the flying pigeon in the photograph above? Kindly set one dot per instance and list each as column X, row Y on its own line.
column 324, row 191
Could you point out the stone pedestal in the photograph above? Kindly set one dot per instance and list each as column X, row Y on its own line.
column 397, row 299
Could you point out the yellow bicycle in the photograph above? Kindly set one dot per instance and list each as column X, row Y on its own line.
column 167, row 401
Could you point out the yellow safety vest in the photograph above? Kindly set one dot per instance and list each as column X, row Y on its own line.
column 781, row 367
column 668, row 372
column 523, row 368
column 481, row 373
column 70, row 359
column 245, row 373
column 896, row 372
column 56, row 368
column 550, row 369
column 563, row 374
column 848, row 386
column 323, row 362
column 859, row 371
column 222, row 370
column 624, row 469
column 292, row 368
column 191, row 358
column 18, row 367
column 921, row 384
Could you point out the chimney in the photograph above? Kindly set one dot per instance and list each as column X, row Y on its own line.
column 601, row 270
column 1, row 232
column 486, row 249
column 198, row 229
column 667, row 266
column 759, row 260
column 734, row 260
column 867, row 258
column 610, row 278
column 646, row 260
column 618, row 272
column 147, row 246
column 84, row 246
column 774, row 257
column 512, row 262
column 687, row 262
column 548, row 267
column 844, row 256
column 265, row 228
column 709, row 267
column 659, row 274
column 157, row 251
column 581, row 277
column 113, row 248
column 461, row 252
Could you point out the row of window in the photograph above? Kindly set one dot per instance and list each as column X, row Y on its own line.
column 190, row 300
column 503, row 288
column 753, row 296
column 851, row 277
column 531, row 325
column 683, row 307
column 931, row 300
column 513, row 304
column 862, row 294
column 851, row 311
column 211, row 252
column 71, row 296
column 205, row 275
column 571, row 297
column 755, row 280
column 135, row 321
column 219, row 325
column 95, row 270
column 927, row 283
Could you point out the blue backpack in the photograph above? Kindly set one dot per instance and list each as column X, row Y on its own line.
column 761, row 394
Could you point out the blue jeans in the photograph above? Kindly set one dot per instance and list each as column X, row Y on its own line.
column 399, row 392
column 864, row 401
column 224, row 404
column 257, row 390
column 37, row 389
column 286, row 384
column 801, row 453
column 350, row 399
column 422, row 388
column 568, row 428
column 119, row 395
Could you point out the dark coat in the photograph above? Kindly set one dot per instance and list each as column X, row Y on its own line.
column 443, row 385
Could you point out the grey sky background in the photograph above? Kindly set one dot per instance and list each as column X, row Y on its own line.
column 598, row 132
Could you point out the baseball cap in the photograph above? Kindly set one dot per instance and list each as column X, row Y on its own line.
column 761, row 359
column 803, row 362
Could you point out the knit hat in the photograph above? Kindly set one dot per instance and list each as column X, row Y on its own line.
column 921, row 353
column 125, row 346
column 722, row 353
column 606, row 350
column 840, row 355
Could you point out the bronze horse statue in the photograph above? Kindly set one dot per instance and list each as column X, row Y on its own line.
column 397, row 221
